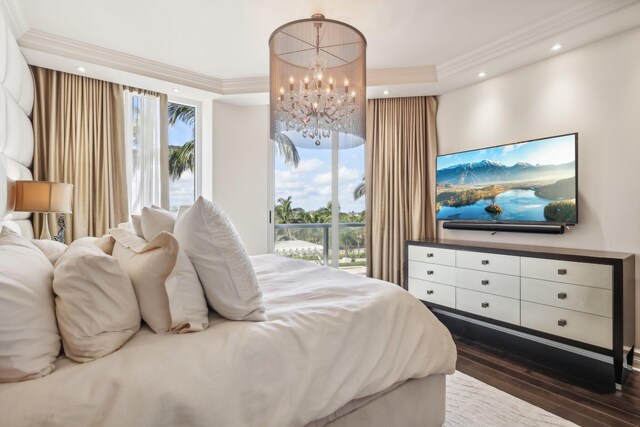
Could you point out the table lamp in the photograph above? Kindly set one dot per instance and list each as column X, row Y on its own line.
column 43, row 197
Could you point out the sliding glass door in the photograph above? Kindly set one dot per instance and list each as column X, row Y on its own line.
column 319, row 208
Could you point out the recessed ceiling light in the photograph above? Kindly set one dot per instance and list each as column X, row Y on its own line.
column 386, row 92
column 556, row 46
column 81, row 69
column 482, row 74
column 176, row 90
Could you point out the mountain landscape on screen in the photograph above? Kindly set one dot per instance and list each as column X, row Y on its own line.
column 531, row 181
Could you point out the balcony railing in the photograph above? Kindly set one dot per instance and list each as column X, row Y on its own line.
column 352, row 244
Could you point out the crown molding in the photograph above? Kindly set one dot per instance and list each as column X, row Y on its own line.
column 87, row 53
column 567, row 20
column 400, row 76
column 15, row 16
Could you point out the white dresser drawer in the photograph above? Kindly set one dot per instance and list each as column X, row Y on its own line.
column 578, row 326
column 433, row 292
column 579, row 273
column 432, row 272
column 579, row 298
column 493, row 306
column 491, row 283
column 432, row 255
column 504, row 264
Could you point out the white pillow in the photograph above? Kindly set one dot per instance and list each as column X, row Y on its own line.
column 105, row 243
column 166, row 284
column 50, row 248
column 136, row 223
column 155, row 220
column 218, row 255
column 96, row 306
column 29, row 337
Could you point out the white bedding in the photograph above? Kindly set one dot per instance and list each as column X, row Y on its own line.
column 330, row 337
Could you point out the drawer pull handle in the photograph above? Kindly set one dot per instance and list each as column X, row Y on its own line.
column 429, row 255
column 429, row 272
column 429, row 292
column 485, row 282
column 485, row 262
column 562, row 295
column 485, row 304
column 562, row 271
column 562, row 322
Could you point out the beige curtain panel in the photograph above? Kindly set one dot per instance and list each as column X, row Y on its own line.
column 400, row 180
column 79, row 139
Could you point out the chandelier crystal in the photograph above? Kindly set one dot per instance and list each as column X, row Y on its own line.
column 317, row 82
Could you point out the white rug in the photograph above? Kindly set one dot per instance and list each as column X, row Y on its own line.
column 473, row 403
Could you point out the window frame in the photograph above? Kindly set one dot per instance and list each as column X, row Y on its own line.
column 198, row 139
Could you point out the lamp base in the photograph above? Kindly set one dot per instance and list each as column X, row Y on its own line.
column 45, row 234
column 61, row 227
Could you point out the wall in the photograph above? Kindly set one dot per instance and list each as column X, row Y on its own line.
column 594, row 90
column 239, row 172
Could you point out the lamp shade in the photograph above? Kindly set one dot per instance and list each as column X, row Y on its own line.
column 317, row 83
column 43, row 196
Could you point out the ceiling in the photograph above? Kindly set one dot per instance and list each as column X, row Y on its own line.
column 220, row 47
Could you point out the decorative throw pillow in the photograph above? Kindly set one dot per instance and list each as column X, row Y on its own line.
column 96, row 306
column 166, row 284
column 50, row 248
column 221, row 260
column 29, row 337
column 105, row 243
column 155, row 220
column 136, row 222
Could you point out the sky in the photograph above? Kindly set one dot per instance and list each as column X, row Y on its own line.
column 310, row 184
column 550, row 151
column 182, row 191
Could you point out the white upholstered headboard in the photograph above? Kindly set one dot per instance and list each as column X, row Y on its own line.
column 16, row 131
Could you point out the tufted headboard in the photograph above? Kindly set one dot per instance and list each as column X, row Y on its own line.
column 16, row 132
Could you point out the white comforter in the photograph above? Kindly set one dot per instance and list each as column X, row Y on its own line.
column 330, row 337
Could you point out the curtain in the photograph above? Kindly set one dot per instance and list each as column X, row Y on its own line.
column 400, row 180
column 79, row 139
column 146, row 147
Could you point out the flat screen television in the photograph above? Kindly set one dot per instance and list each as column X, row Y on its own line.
column 526, row 182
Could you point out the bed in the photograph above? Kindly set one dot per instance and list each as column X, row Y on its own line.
column 337, row 349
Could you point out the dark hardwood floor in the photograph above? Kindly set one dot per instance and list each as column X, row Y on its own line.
column 581, row 406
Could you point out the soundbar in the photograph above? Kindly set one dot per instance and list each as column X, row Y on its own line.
column 510, row 227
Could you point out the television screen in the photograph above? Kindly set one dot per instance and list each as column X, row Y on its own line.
column 532, row 181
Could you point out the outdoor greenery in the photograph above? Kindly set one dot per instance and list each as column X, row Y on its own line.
column 351, row 238
column 182, row 157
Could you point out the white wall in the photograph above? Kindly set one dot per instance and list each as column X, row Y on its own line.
column 239, row 170
column 594, row 90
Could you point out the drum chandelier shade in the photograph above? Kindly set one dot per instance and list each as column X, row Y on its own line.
column 317, row 83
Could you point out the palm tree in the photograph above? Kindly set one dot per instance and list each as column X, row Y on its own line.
column 359, row 191
column 182, row 158
column 183, row 113
column 286, row 214
column 287, row 150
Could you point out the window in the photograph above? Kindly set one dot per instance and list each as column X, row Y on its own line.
column 182, row 155
column 303, row 204
column 160, row 151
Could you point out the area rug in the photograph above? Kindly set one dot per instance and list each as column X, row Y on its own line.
column 473, row 403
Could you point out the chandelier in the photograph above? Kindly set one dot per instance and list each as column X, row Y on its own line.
column 318, row 82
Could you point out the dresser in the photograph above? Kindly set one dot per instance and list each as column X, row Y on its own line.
column 568, row 303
